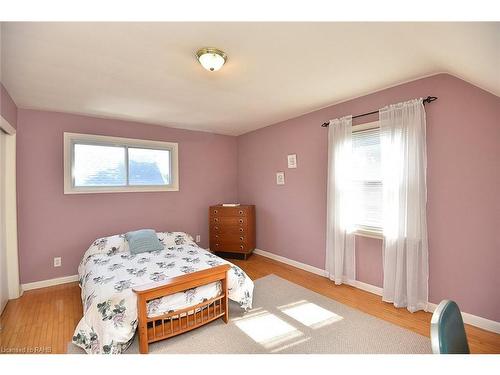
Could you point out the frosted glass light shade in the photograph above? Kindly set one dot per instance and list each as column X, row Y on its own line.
column 212, row 59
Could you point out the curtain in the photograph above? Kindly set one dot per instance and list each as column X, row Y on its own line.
column 340, row 260
column 403, row 160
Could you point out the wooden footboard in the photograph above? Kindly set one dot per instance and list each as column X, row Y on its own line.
column 174, row 323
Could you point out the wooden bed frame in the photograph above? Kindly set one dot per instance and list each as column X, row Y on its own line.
column 174, row 323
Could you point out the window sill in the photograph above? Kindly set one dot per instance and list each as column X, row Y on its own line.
column 369, row 233
column 134, row 189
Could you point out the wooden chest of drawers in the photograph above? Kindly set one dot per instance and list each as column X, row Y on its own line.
column 232, row 229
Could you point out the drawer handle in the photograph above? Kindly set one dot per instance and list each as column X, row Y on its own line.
column 216, row 228
column 241, row 229
column 241, row 212
column 241, row 221
column 215, row 211
column 216, row 236
column 217, row 244
column 216, row 220
column 241, row 238
column 241, row 247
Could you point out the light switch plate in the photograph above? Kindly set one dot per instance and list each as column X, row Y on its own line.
column 292, row 160
column 57, row 262
column 198, row 238
column 280, row 178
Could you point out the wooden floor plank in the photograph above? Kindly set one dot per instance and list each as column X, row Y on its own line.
column 46, row 318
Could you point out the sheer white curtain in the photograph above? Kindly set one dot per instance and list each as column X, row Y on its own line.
column 340, row 260
column 403, row 159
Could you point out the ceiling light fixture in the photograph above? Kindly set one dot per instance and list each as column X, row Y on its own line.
column 212, row 59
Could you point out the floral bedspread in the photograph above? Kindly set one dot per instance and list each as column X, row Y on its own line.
column 108, row 271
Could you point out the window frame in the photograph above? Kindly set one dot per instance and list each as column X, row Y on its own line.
column 70, row 139
column 371, row 232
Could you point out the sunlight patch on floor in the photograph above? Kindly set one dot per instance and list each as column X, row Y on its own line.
column 267, row 329
column 310, row 314
column 287, row 346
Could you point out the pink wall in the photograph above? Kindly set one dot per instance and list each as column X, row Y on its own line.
column 53, row 224
column 8, row 108
column 463, row 180
column 463, row 139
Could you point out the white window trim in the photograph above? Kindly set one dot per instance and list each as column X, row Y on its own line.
column 70, row 138
column 364, row 232
column 366, row 126
column 378, row 234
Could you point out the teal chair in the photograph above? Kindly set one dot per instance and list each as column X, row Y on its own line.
column 447, row 330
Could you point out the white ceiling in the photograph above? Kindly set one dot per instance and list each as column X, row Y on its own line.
column 148, row 71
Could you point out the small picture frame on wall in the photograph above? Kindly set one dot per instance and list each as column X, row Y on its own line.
column 280, row 178
column 292, row 161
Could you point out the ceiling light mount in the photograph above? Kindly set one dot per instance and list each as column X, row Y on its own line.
column 212, row 59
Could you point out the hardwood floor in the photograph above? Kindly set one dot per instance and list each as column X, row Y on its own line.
column 480, row 341
column 43, row 320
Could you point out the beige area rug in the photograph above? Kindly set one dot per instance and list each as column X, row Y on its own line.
column 287, row 318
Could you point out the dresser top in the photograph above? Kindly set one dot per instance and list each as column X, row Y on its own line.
column 240, row 206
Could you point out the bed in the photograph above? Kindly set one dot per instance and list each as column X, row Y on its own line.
column 164, row 293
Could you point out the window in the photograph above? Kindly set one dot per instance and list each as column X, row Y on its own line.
column 100, row 164
column 367, row 178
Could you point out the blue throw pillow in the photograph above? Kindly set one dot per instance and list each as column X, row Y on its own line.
column 144, row 240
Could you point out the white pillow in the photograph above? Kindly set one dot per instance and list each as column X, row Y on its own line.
column 171, row 239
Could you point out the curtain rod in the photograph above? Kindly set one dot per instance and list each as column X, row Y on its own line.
column 429, row 99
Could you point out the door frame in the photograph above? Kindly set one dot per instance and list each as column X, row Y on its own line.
column 10, row 217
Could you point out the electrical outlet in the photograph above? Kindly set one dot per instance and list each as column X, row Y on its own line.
column 198, row 238
column 57, row 262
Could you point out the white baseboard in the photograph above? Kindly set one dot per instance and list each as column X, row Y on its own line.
column 473, row 320
column 366, row 287
column 302, row 266
column 50, row 282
